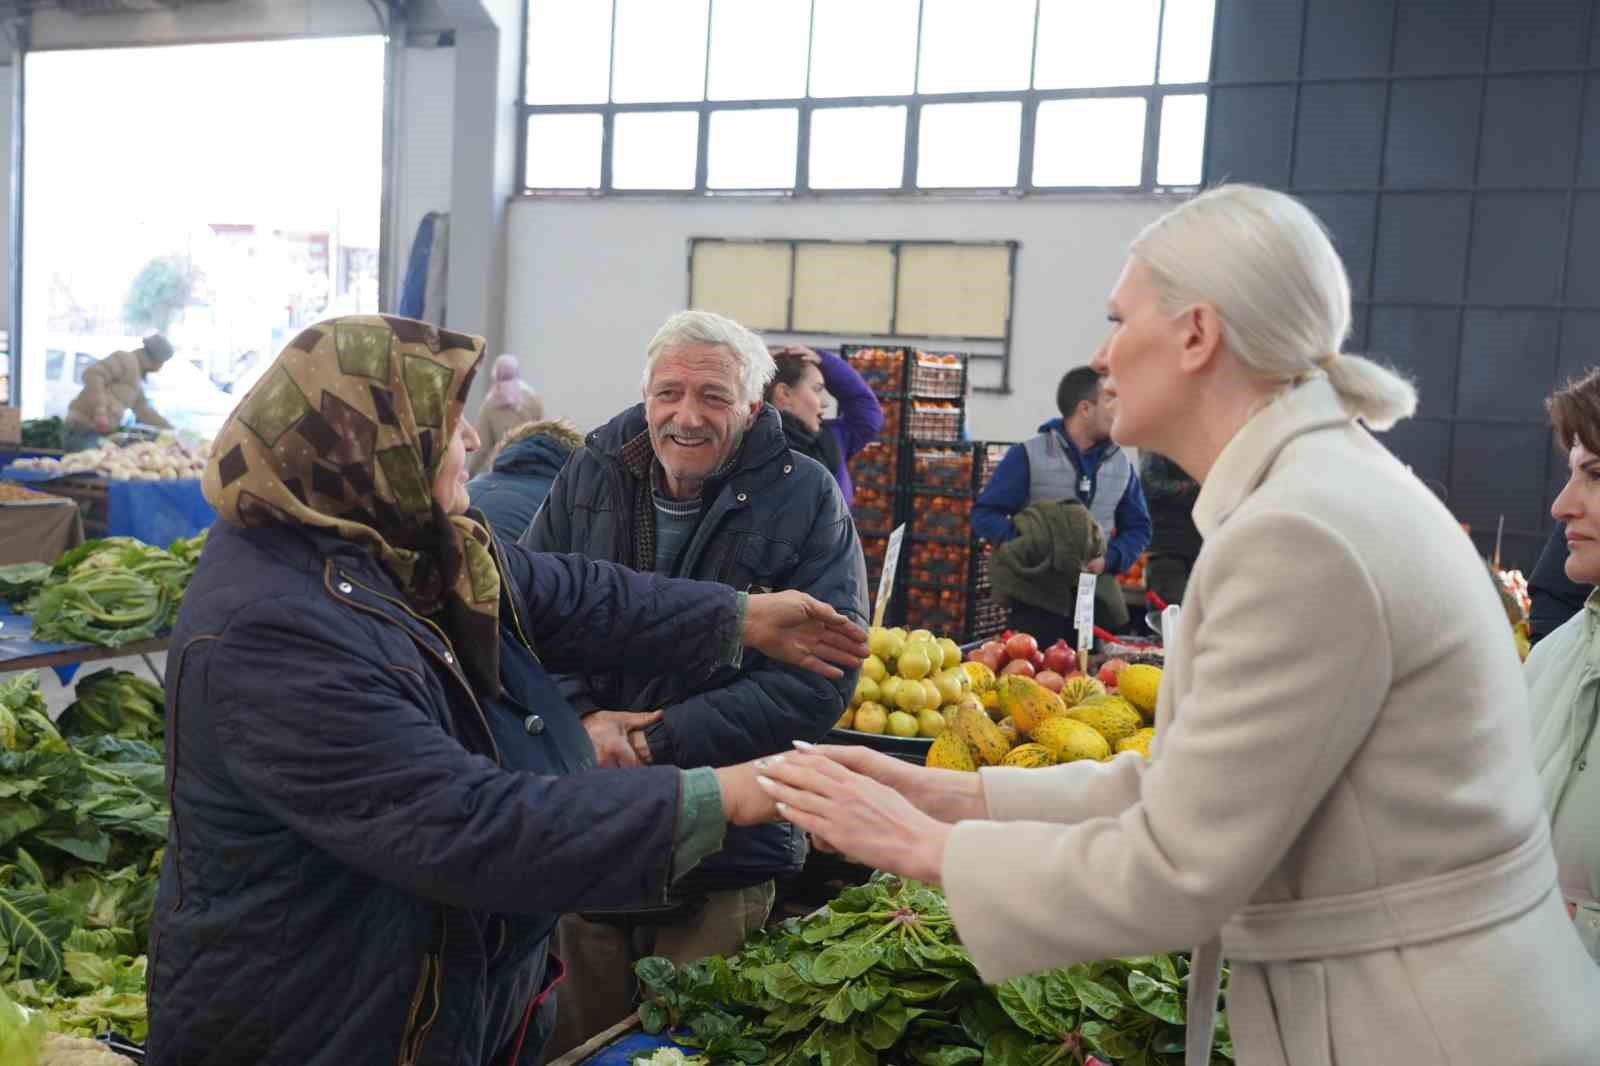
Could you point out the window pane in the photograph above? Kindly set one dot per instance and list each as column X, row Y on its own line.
column 1085, row 45
column 569, row 52
column 753, row 149
column 654, row 149
column 964, row 146
column 1186, row 40
column 661, row 51
column 1183, row 140
column 968, row 47
column 857, row 147
column 1089, row 142
column 758, row 49
column 863, row 49
column 563, row 152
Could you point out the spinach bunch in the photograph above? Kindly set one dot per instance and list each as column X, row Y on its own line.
column 879, row 975
column 82, row 823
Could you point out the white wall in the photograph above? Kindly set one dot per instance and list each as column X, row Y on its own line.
column 588, row 282
column 424, row 155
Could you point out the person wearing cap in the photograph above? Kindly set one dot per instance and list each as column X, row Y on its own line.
column 111, row 387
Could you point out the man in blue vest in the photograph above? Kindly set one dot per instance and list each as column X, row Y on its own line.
column 1072, row 457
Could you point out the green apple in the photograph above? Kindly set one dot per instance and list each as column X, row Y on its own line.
column 902, row 724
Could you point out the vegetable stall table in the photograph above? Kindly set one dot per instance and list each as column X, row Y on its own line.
column 156, row 512
column 19, row 651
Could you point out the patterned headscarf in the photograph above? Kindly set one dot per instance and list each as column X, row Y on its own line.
column 345, row 432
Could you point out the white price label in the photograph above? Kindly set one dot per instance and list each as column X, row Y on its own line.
column 1083, row 617
column 891, row 563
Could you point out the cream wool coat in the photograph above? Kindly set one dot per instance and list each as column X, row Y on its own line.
column 1342, row 785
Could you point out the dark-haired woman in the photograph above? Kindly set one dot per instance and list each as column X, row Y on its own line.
column 1563, row 670
column 797, row 392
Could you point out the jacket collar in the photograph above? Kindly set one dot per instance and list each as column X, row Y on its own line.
column 1057, row 427
column 1246, row 458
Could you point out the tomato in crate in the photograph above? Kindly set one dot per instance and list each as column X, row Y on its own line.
column 942, row 468
column 944, row 516
column 935, row 420
column 881, row 368
column 934, row 374
column 935, row 563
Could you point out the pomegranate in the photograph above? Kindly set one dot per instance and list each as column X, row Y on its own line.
column 1059, row 658
column 1018, row 666
column 1021, row 646
column 1050, row 680
column 1109, row 671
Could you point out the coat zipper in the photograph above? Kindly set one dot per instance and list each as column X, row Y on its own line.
column 448, row 664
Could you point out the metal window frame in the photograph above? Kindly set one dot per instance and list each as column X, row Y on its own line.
column 1153, row 93
column 892, row 337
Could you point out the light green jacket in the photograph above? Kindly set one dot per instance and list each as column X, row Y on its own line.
column 1563, row 675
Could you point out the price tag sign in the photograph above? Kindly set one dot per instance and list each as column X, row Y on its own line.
column 891, row 563
column 1083, row 617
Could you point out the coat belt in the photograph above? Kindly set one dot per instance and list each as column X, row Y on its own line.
column 1484, row 894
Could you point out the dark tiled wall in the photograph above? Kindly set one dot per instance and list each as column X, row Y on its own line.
column 1452, row 147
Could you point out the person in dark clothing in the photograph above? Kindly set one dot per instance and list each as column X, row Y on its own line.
column 519, row 478
column 796, row 391
column 380, row 800
column 698, row 481
column 1174, row 540
column 1071, row 457
column 1556, row 597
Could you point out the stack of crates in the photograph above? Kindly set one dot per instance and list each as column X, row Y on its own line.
column 875, row 470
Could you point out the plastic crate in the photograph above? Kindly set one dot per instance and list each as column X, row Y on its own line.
column 883, row 369
column 941, row 610
column 874, row 510
column 935, row 420
column 937, row 563
column 941, row 468
column 942, row 516
column 938, row 374
column 878, row 464
column 991, row 454
column 892, row 408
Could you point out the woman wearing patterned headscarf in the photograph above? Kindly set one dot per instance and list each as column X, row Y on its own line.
column 380, row 800
column 509, row 404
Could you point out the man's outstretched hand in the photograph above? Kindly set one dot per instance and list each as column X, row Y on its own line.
column 795, row 628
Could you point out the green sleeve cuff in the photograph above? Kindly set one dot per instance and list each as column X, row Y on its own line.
column 701, row 821
column 733, row 649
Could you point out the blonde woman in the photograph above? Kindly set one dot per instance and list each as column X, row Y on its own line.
column 1341, row 799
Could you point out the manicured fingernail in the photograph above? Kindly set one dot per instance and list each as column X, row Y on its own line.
column 783, row 809
column 804, row 745
column 762, row 764
column 764, row 782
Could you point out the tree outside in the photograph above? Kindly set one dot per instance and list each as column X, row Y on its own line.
column 159, row 292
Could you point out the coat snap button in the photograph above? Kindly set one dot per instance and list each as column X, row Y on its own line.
column 742, row 497
column 788, row 468
column 449, row 658
column 533, row 724
column 346, row 588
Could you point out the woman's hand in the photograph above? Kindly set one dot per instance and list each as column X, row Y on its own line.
column 801, row 630
column 948, row 795
column 867, row 822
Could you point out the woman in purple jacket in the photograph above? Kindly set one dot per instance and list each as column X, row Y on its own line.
column 796, row 391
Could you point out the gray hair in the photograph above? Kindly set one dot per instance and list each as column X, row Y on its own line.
column 1265, row 263
column 750, row 355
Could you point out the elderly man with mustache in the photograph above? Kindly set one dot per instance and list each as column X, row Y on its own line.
column 698, row 481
